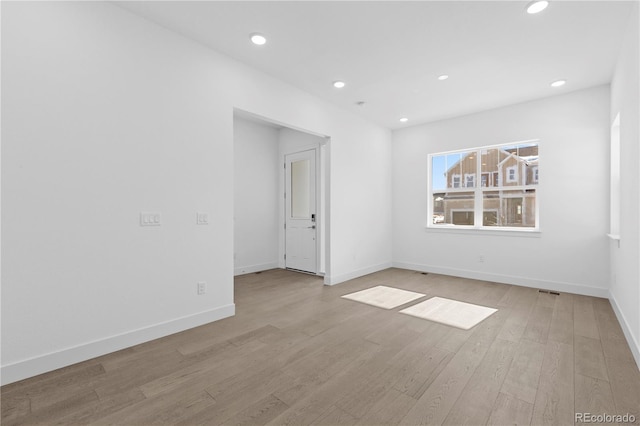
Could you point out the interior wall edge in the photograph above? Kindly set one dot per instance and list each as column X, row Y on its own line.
column 255, row 268
column 333, row 280
column 558, row 286
column 626, row 329
column 52, row 361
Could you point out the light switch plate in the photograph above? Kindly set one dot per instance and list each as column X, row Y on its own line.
column 150, row 218
column 202, row 218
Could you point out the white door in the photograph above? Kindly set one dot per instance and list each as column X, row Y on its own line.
column 300, row 211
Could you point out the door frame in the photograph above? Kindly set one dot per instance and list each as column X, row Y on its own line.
column 324, row 193
column 322, row 246
column 312, row 153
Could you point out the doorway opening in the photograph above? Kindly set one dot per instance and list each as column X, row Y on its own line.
column 281, row 187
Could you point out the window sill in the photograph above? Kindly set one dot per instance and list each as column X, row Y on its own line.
column 614, row 237
column 469, row 230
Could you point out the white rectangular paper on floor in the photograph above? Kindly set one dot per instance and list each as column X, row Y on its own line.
column 384, row 297
column 450, row 312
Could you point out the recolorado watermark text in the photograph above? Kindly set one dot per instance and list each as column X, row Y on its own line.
column 604, row 418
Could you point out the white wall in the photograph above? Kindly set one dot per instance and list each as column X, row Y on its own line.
column 625, row 259
column 256, row 196
column 106, row 115
column 571, row 251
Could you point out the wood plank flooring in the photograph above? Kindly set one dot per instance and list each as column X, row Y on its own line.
column 296, row 353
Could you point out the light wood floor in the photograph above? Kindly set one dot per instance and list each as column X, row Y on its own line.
column 297, row 353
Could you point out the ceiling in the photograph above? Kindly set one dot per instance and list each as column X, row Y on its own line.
column 390, row 53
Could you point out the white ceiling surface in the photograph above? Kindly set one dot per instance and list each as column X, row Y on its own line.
column 391, row 53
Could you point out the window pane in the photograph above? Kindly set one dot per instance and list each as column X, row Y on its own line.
column 438, row 208
column 453, row 208
column 300, row 180
column 528, row 153
column 438, row 172
column 457, row 170
column 509, row 208
column 490, row 166
column 512, row 165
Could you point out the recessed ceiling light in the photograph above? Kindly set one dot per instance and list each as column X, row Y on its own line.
column 259, row 39
column 537, row 6
column 443, row 77
column 338, row 84
column 404, row 119
column 558, row 83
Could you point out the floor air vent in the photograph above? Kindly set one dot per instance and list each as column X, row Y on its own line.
column 555, row 293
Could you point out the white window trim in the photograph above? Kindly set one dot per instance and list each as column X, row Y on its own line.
column 479, row 191
column 453, row 180
column 515, row 174
column 473, row 180
column 614, row 182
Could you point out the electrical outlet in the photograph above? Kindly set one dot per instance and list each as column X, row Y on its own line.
column 481, row 259
column 202, row 287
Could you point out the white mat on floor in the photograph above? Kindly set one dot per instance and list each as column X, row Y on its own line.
column 451, row 312
column 384, row 297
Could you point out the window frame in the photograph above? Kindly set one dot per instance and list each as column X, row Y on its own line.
column 473, row 180
column 479, row 191
column 615, row 194
column 453, row 181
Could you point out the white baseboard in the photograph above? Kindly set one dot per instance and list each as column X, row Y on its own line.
column 624, row 324
column 254, row 268
column 507, row 279
column 52, row 361
column 333, row 280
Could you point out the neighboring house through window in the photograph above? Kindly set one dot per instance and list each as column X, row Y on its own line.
column 506, row 197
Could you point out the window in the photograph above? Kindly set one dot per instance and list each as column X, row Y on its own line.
column 469, row 180
column 614, row 226
column 506, row 197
